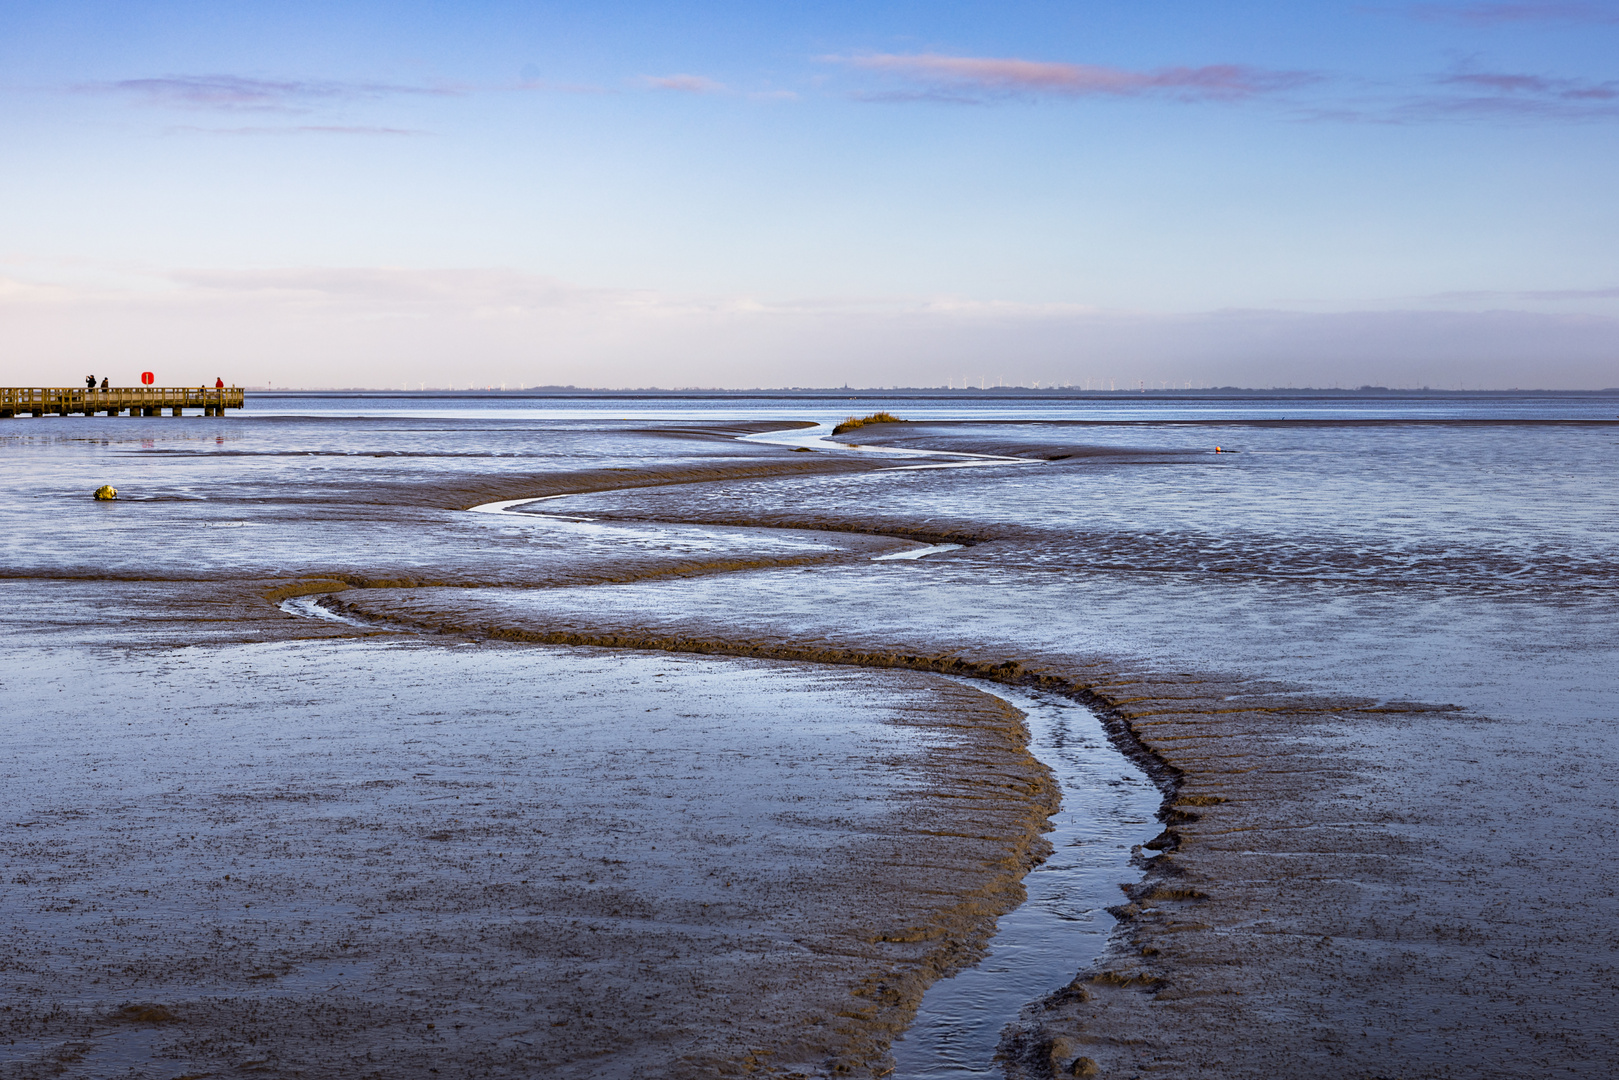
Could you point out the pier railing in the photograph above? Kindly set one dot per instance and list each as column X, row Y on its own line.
column 137, row 401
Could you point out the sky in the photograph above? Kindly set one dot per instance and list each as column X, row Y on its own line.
column 631, row 194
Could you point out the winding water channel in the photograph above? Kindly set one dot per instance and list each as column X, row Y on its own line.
column 1107, row 809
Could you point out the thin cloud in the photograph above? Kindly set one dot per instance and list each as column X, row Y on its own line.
column 905, row 97
column 300, row 129
column 683, row 84
column 1498, row 14
column 972, row 78
column 1508, row 95
column 241, row 94
column 1572, row 294
column 1494, row 296
column 381, row 326
column 404, row 290
column 549, row 87
column 1536, row 86
column 1481, row 97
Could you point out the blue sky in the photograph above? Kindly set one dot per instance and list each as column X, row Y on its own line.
column 641, row 194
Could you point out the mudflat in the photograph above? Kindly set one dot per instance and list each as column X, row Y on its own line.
column 378, row 857
column 244, row 840
column 1378, row 701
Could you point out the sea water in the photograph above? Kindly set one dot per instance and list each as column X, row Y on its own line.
column 1458, row 551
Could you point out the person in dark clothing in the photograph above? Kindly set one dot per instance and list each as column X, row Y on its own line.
column 89, row 382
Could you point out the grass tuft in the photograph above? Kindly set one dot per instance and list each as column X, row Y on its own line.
column 861, row 421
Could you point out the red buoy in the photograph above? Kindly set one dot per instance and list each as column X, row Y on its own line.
column 147, row 377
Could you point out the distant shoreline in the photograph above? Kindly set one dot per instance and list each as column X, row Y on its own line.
column 1002, row 393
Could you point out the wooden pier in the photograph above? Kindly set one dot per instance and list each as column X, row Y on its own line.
column 136, row 401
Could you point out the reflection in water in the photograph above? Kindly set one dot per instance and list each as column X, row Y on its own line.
column 1469, row 563
column 917, row 553
column 1107, row 809
column 310, row 607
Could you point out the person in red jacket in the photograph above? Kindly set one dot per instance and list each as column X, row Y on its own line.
column 219, row 384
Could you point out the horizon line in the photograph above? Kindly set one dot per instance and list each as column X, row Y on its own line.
column 1055, row 391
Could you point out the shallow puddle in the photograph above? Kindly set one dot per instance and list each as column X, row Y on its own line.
column 310, row 607
column 917, row 553
column 1107, row 808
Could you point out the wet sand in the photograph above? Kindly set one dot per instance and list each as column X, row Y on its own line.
column 358, row 857
column 1382, row 771
column 1340, row 883
column 1369, row 866
column 248, row 842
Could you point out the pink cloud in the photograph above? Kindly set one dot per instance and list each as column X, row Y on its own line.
column 684, row 84
column 237, row 93
column 1010, row 75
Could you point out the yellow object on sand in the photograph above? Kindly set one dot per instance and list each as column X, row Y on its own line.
column 106, row 491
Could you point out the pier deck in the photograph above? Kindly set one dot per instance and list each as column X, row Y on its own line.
column 137, row 401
